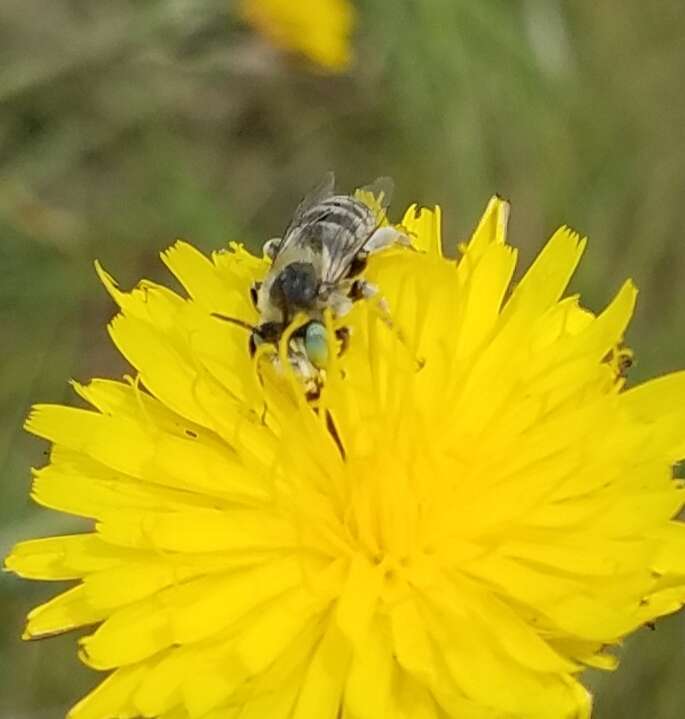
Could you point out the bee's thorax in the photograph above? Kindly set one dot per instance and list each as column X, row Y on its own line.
column 295, row 288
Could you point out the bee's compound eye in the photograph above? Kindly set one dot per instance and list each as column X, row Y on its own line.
column 316, row 344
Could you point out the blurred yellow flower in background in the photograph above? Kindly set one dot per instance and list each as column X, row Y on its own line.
column 318, row 29
column 456, row 537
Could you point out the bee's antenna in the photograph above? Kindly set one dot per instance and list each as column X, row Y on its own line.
column 234, row 321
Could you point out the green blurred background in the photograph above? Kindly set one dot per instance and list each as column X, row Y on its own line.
column 124, row 125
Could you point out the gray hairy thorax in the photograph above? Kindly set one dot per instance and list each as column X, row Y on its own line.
column 301, row 278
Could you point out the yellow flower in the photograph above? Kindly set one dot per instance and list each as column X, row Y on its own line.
column 471, row 512
column 319, row 29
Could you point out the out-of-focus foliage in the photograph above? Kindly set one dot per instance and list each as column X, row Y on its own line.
column 124, row 125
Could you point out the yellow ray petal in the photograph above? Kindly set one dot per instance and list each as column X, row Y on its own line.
column 423, row 225
column 66, row 611
column 484, row 293
column 148, row 302
column 112, row 697
column 144, row 452
column 210, row 289
column 200, row 530
column 369, row 682
column 545, row 281
column 185, row 613
column 492, row 229
column 60, row 558
column 322, row 685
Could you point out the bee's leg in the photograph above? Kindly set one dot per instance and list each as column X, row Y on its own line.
column 342, row 334
column 358, row 264
column 254, row 293
column 340, row 302
column 385, row 237
column 363, row 290
column 271, row 246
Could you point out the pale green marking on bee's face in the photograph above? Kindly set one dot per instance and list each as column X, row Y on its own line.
column 316, row 344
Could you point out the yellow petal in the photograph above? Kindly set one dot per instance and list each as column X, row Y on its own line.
column 66, row 611
column 358, row 602
column 544, row 282
column 60, row 558
column 144, row 452
column 112, row 697
column 492, row 228
column 369, row 682
column 324, row 679
column 210, row 289
column 423, row 225
column 185, row 613
column 484, row 293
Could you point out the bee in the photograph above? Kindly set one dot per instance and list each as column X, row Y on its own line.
column 316, row 266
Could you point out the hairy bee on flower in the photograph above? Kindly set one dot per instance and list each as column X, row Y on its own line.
column 316, row 267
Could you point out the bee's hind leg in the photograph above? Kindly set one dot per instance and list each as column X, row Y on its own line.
column 385, row 237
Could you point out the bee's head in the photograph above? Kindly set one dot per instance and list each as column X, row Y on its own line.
column 312, row 336
column 295, row 288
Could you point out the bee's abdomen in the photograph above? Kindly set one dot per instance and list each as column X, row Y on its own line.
column 340, row 215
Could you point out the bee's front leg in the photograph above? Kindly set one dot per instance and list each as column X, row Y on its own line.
column 271, row 246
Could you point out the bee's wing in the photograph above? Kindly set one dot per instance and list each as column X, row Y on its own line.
column 294, row 238
column 341, row 249
column 381, row 189
column 377, row 195
column 314, row 197
column 338, row 252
